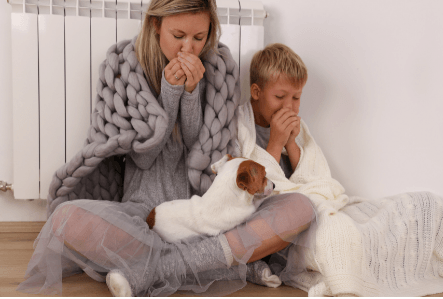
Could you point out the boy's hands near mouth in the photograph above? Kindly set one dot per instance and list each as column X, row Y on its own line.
column 283, row 125
column 294, row 133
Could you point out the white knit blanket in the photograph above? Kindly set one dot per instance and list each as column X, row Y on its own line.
column 387, row 247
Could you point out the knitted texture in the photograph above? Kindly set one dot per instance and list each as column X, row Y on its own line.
column 127, row 117
column 386, row 247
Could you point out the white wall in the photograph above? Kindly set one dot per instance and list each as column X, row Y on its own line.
column 10, row 209
column 373, row 100
column 374, row 97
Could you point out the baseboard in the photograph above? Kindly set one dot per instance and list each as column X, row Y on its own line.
column 21, row 227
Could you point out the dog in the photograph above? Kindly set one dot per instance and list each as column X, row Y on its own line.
column 237, row 191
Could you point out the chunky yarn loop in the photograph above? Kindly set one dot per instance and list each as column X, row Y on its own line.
column 127, row 117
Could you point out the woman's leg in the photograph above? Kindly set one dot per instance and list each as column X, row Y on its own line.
column 96, row 237
column 109, row 238
column 275, row 225
column 118, row 240
column 93, row 237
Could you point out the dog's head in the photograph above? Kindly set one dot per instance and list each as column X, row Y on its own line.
column 250, row 176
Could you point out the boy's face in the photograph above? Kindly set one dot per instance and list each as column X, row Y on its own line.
column 275, row 95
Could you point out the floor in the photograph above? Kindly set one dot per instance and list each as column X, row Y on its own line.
column 16, row 240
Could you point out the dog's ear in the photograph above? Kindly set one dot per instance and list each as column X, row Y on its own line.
column 217, row 165
column 243, row 180
column 250, row 176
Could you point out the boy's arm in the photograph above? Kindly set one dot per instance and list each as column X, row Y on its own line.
column 275, row 151
column 292, row 147
column 293, row 153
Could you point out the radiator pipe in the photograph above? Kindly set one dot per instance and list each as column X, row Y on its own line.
column 5, row 186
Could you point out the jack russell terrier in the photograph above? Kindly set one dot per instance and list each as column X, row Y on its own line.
column 237, row 191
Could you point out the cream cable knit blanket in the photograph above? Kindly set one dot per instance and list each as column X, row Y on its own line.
column 128, row 117
column 387, row 247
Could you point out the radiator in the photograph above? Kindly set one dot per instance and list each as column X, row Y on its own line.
column 57, row 47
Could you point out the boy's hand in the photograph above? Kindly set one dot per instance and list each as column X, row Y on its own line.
column 283, row 123
column 174, row 73
column 294, row 133
column 193, row 68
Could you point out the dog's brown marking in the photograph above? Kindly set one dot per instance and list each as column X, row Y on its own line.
column 151, row 219
column 229, row 157
column 251, row 176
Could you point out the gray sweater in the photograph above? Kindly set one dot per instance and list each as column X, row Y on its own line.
column 161, row 174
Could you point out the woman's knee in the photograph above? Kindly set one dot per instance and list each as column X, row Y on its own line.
column 65, row 217
column 292, row 213
column 300, row 205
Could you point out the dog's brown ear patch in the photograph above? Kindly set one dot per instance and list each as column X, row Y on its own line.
column 151, row 219
column 250, row 176
column 243, row 180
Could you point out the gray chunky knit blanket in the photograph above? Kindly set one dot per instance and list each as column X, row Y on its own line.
column 127, row 117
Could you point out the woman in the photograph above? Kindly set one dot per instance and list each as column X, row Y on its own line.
column 110, row 241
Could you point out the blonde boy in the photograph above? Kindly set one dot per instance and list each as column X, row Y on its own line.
column 277, row 78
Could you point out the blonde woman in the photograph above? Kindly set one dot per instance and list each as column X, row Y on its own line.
column 110, row 240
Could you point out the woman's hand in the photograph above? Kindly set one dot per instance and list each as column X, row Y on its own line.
column 174, row 73
column 193, row 69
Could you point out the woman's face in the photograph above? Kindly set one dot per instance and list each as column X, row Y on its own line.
column 186, row 32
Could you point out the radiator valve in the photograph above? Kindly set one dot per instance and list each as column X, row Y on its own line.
column 5, row 186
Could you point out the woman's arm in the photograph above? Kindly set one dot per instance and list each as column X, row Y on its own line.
column 169, row 99
column 191, row 115
column 191, row 112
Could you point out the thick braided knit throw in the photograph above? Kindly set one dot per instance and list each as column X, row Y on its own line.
column 128, row 117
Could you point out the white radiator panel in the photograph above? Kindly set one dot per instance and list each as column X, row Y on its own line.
column 103, row 36
column 229, row 16
column 127, row 28
column 25, row 105
column 231, row 37
column 52, row 97
column 78, row 83
column 251, row 41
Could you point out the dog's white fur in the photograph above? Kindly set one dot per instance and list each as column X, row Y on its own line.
column 224, row 206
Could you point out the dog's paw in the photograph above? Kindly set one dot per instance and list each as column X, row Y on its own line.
column 269, row 279
column 118, row 284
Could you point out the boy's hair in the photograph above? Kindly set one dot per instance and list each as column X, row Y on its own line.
column 276, row 60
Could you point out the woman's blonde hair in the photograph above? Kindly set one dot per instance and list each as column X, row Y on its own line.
column 276, row 60
column 148, row 50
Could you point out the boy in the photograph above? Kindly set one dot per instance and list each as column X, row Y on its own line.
column 268, row 126
column 277, row 78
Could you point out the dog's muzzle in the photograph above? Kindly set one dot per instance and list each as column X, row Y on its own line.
column 269, row 188
column 267, row 191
